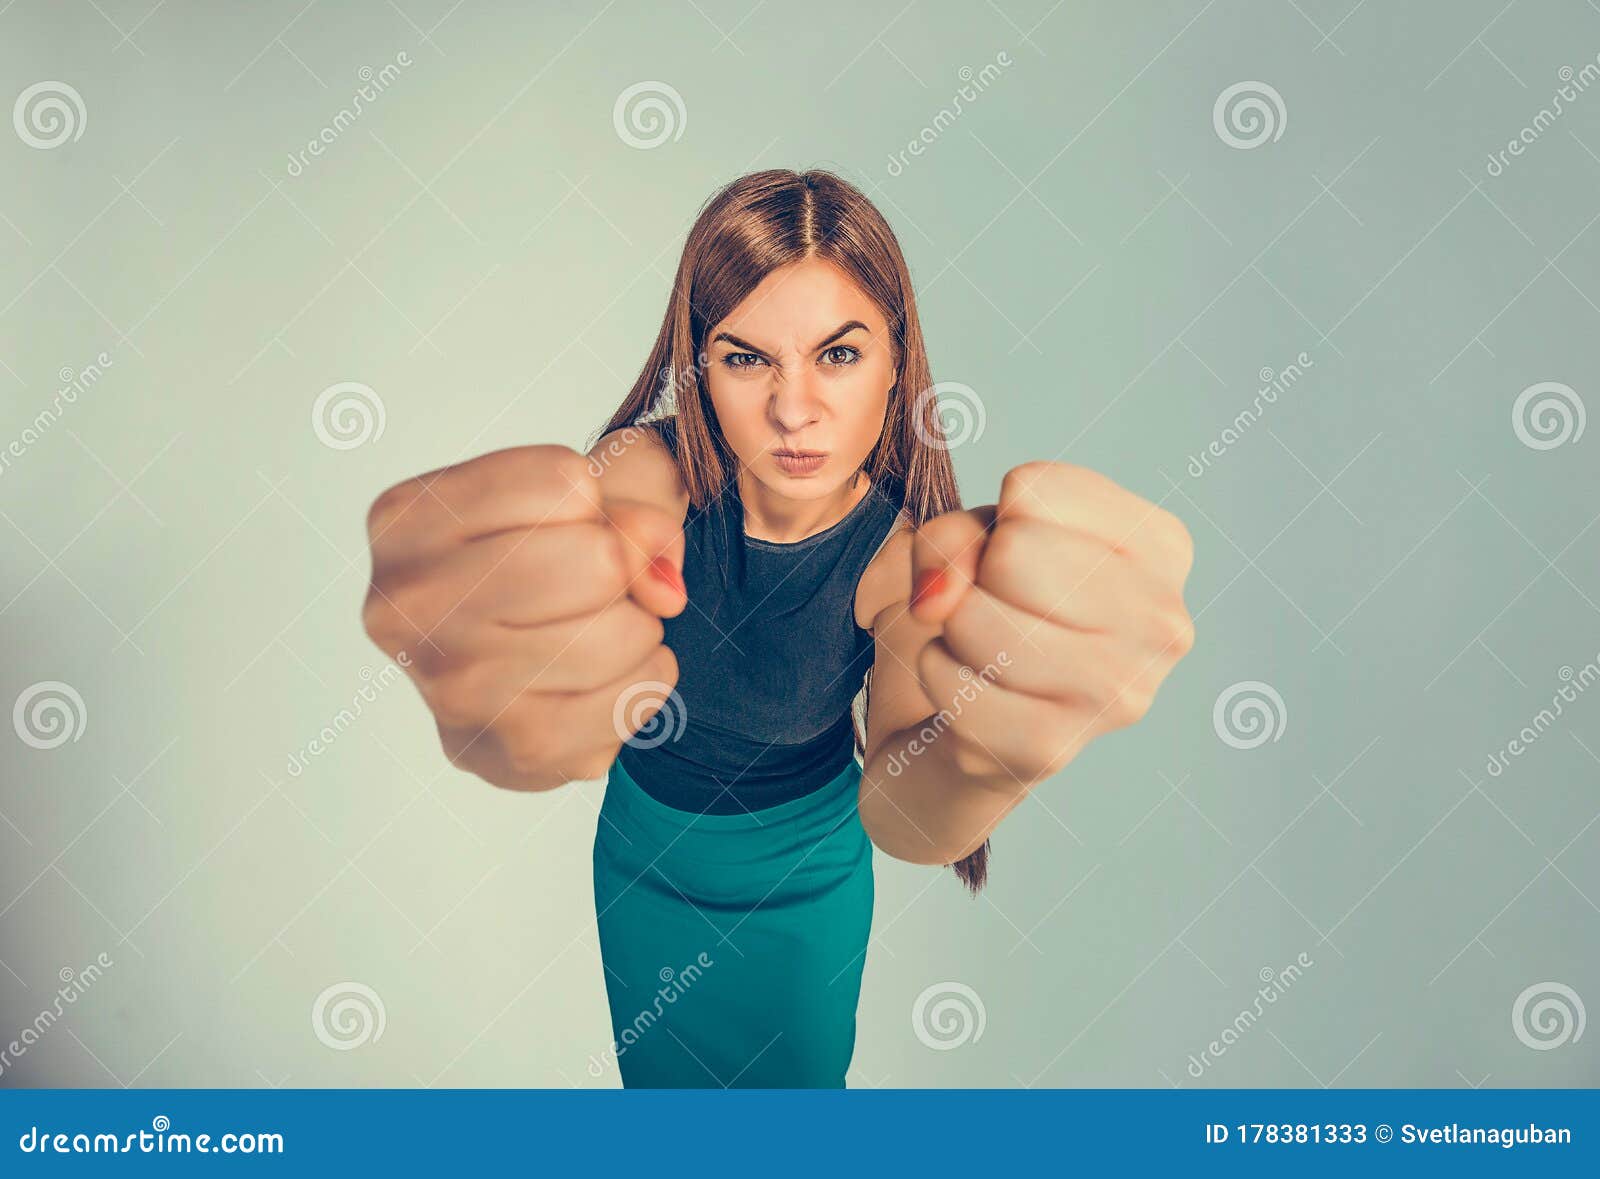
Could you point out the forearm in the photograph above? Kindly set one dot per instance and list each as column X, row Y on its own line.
column 930, row 798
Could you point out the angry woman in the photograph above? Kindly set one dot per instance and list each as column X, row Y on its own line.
column 757, row 609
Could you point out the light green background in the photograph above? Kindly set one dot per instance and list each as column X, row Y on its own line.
column 1105, row 273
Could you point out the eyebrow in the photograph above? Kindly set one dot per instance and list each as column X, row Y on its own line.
column 843, row 329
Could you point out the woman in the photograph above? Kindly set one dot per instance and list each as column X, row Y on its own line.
column 768, row 524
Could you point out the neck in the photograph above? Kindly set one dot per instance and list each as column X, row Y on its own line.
column 781, row 520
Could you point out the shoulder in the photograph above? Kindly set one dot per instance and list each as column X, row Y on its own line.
column 637, row 462
column 886, row 581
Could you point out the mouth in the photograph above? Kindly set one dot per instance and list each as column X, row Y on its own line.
column 800, row 462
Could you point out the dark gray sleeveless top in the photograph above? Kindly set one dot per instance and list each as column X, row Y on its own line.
column 769, row 659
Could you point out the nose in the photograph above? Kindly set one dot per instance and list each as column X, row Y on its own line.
column 795, row 404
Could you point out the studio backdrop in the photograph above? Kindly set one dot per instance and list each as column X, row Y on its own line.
column 1323, row 280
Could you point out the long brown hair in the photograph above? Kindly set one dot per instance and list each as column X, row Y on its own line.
column 750, row 228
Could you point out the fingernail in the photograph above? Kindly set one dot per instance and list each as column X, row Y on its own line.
column 928, row 583
column 664, row 570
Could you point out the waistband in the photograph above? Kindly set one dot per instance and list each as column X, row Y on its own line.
column 798, row 824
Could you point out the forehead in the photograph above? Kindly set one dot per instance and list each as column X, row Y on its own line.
column 800, row 303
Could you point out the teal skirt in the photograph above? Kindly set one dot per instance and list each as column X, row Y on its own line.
column 733, row 945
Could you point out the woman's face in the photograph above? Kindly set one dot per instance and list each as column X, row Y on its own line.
column 803, row 367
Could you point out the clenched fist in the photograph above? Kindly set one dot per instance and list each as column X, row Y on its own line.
column 1061, row 612
column 526, row 602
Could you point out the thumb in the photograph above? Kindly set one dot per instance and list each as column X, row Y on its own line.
column 944, row 561
column 650, row 540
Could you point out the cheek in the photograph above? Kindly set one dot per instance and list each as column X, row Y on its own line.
column 740, row 412
column 864, row 400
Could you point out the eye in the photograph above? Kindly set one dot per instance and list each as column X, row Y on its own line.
column 841, row 354
column 738, row 360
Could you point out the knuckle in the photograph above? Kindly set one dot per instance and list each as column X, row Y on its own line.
column 1005, row 552
column 390, row 505
column 970, row 758
column 527, row 749
column 636, row 633
column 1182, row 634
column 612, row 562
column 1175, row 533
column 664, row 665
column 463, row 748
column 416, row 603
column 381, row 620
column 1028, row 473
column 1170, row 630
column 1129, row 704
column 567, row 470
column 1057, row 761
column 455, row 700
column 592, row 766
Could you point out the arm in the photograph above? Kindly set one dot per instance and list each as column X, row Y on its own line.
column 1013, row 636
column 926, row 796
